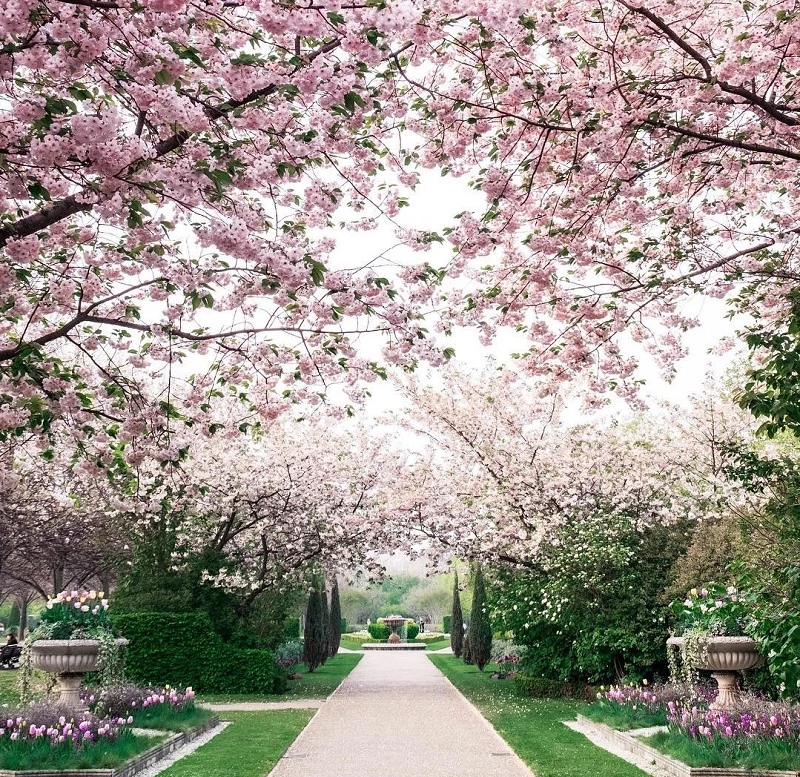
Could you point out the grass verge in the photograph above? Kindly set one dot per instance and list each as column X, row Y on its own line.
column 438, row 644
column 726, row 753
column 622, row 717
column 170, row 719
column 9, row 686
column 249, row 747
column 533, row 727
column 40, row 754
column 317, row 685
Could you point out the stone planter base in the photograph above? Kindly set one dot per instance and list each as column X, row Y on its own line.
column 131, row 768
column 661, row 763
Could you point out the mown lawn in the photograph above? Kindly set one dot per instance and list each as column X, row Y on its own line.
column 9, row 686
column 317, row 685
column 533, row 727
column 249, row 747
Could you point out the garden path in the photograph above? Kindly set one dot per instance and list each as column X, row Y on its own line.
column 397, row 712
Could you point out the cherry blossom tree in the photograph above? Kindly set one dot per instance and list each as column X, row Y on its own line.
column 501, row 473
column 57, row 526
column 263, row 512
column 172, row 173
column 632, row 155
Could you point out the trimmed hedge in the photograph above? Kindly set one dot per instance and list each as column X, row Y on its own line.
column 182, row 649
column 379, row 631
column 447, row 620
column 411, row 631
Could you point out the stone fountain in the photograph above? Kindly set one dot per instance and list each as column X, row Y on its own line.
column 394, row 622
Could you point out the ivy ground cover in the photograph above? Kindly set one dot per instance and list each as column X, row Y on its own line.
column 533, row 727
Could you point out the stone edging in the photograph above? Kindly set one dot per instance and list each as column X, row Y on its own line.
column 131, row 768
column 627, row 740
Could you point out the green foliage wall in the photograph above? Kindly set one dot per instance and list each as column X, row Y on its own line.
column 596, row 612
column 447, row 620
column 182, row 649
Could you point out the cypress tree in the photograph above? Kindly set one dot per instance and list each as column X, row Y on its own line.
column 314, row 646
column 335, row 630
column 466, row 650
column 456, row 621
column 480, row 630
column 326, row 625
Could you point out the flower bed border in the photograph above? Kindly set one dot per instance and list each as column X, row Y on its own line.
column 130, row 768
column 628, row 741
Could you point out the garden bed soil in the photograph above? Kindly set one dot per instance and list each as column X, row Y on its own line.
column 132, row 767
column 628, row 741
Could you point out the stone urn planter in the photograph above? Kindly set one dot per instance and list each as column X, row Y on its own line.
column 725, row 657
column 70, row 660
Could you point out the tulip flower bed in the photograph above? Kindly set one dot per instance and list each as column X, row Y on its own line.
column 761, row 735
column 43, row 736
column 627, row 707
column 165, row 709
column 764, row 735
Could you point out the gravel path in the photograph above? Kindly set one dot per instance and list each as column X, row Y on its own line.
column 397, row 712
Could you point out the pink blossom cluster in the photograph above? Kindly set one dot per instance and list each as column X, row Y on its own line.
column 640, row 697
column 755, row 720
column 63, row 729
column 124, row 700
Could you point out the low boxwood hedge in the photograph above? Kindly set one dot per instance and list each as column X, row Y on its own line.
column 182, row 649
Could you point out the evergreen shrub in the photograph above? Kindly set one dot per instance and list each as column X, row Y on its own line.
column 379, row 631
column 446, row 624
column 182, row 649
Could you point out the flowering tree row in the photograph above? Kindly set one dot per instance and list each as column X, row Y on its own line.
column 172, row 173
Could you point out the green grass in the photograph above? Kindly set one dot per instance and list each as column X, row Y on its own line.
column 438, row 644
column 724, row 753
column 317, row 685
column 623, row 717
column 102, row 755
column 534, row 727
column 168, row 719
column 9, row 686
column 249, row 747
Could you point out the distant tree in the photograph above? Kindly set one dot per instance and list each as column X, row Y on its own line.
column 335, row 627
column 480, row 630
column 457, row 621
column 314, row 646
column 323, row 593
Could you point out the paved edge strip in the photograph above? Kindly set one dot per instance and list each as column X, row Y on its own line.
column 475, row 711
column 300, row 736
